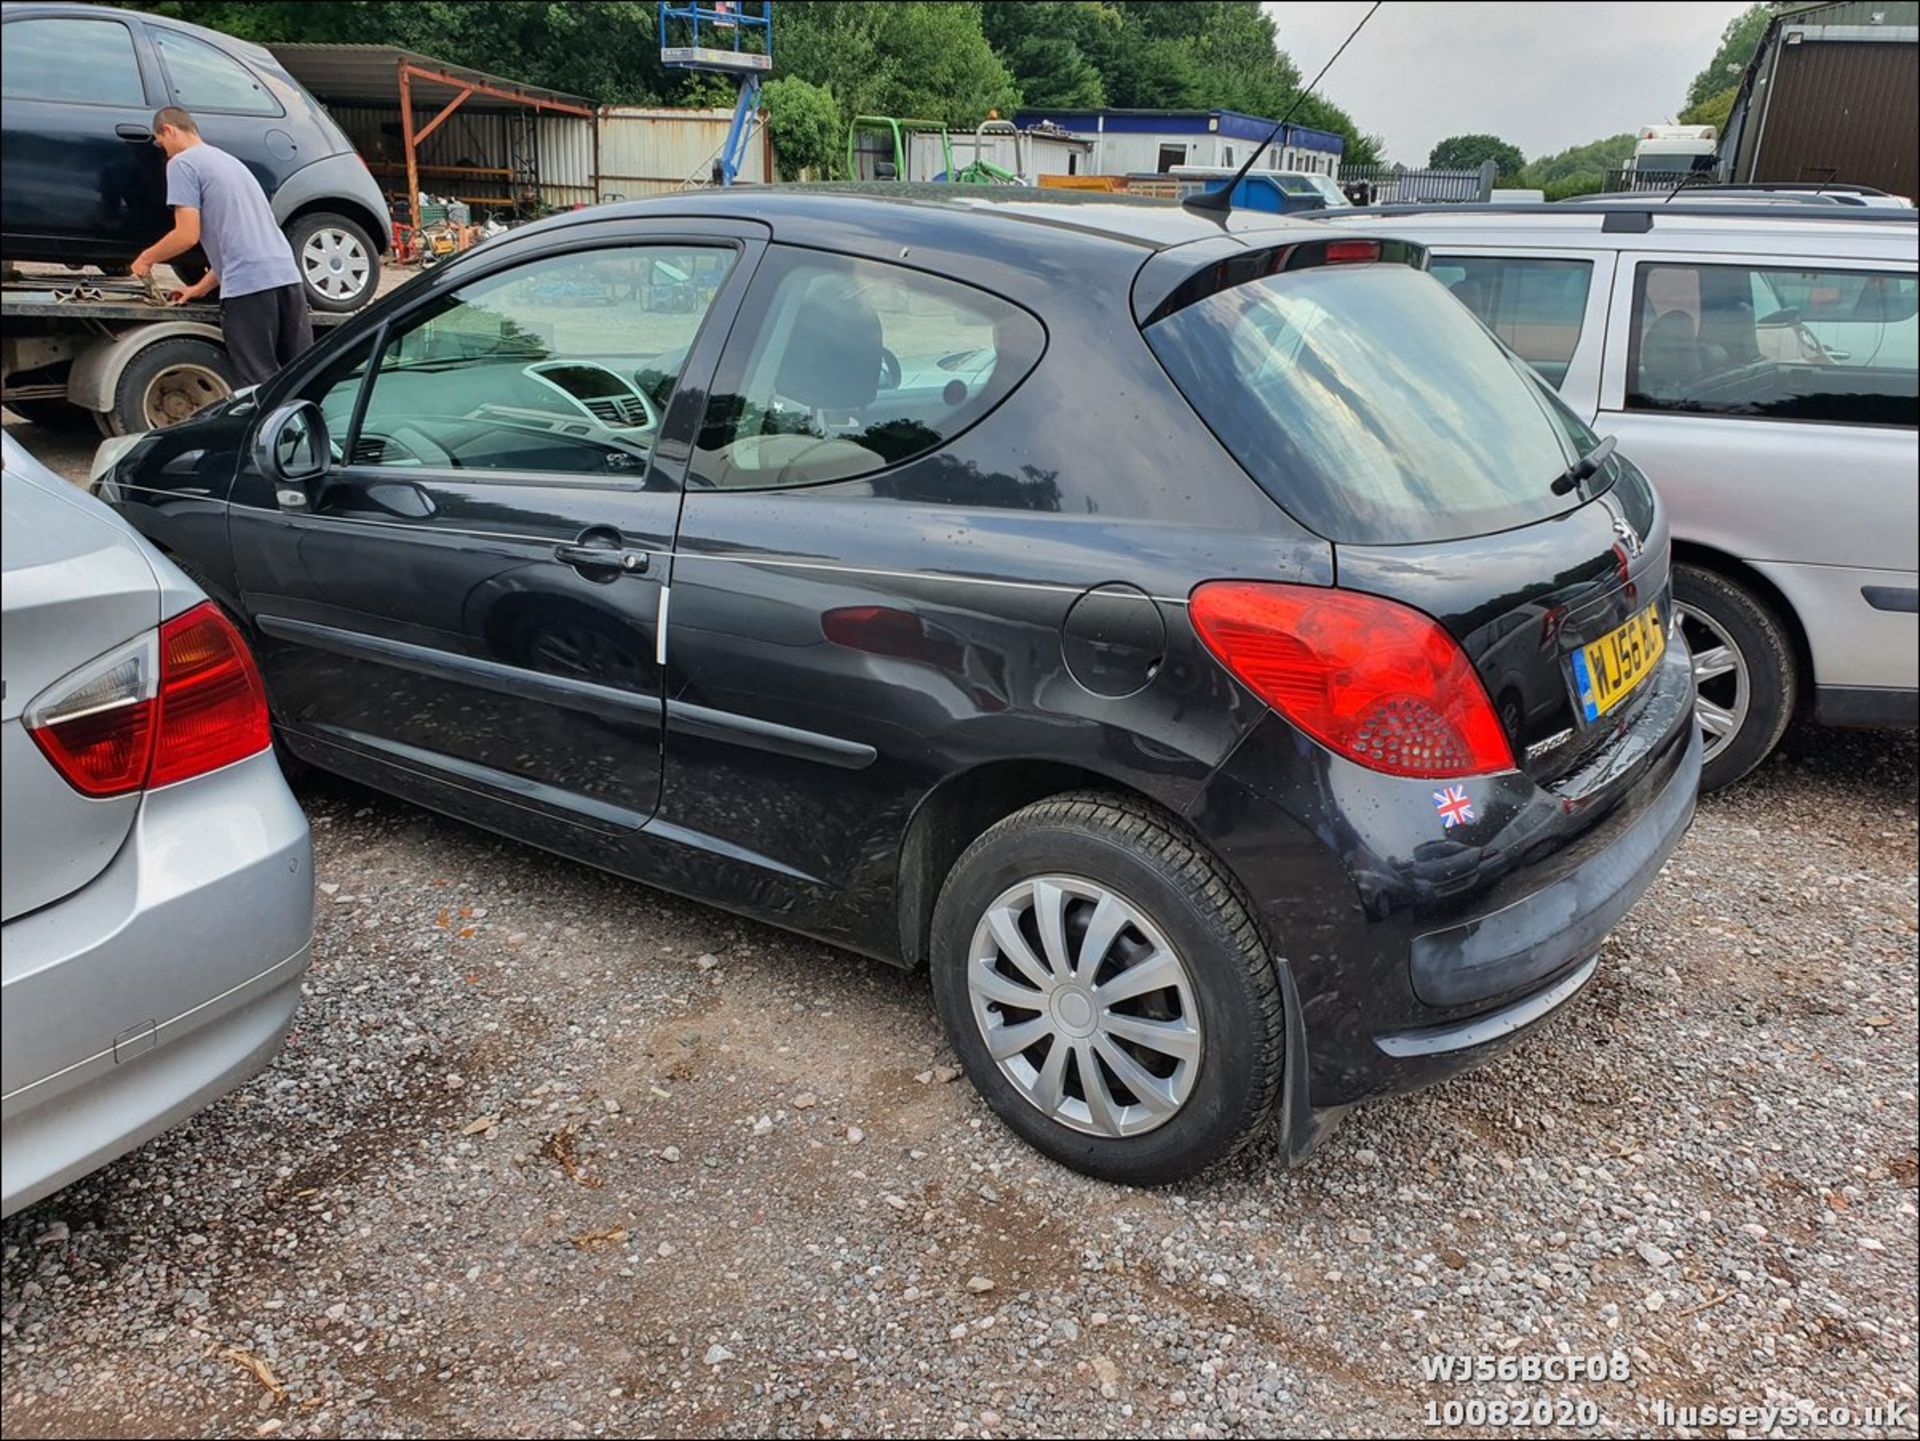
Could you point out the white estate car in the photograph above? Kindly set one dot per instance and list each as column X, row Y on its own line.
column 1758, row 362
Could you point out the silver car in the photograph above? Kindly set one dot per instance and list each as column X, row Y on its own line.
column 1759, row 363
column 158, row 882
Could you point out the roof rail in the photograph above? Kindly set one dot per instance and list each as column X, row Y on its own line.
column 1676, row 209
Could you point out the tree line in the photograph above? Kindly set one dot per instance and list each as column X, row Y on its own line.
column 833, row 59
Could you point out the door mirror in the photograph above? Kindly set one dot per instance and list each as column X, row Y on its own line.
column 291, row 450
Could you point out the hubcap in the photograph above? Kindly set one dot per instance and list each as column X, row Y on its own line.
column 1084, row 1006
column 1721, row 678
column 178, row 392
column 335, row 263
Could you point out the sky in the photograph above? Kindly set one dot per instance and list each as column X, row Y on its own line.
column 1542, row 76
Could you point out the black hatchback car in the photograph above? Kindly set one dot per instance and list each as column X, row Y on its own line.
column 82, row 183
column 1197, row 640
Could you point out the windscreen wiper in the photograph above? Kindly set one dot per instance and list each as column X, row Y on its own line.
column 1584, row 468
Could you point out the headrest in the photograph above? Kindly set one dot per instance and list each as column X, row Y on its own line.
column 832, row 359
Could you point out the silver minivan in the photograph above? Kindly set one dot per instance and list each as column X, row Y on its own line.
column 1759, row 363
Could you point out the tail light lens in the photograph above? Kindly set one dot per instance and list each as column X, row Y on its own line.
column 1378, row 682
column 169, row 706
column 213, row 708
column 96, row 726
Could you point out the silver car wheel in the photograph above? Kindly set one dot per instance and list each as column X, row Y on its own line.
column 1721, row 678
column 335, row 263
column 1084, row 1006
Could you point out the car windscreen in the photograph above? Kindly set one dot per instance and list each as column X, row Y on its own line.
column 1372, row 405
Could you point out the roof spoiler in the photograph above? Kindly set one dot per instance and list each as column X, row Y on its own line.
column 1176, row 277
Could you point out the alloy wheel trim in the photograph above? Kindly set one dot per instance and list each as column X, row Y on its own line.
column 1719, row 663
column 1091, row 1027
column 334, row 263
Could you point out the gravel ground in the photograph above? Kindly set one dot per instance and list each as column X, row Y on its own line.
column 549, row 1153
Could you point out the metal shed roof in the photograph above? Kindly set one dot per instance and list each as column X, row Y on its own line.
column 369, row 75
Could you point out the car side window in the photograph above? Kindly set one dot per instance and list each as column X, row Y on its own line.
column 561, row 366
column 83, row 61
column 1535, row 305
column 335, row 389
column 1776, row 342
column 204, row 77
column 841, row 367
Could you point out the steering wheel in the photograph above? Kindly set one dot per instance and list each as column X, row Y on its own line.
column 889, row 369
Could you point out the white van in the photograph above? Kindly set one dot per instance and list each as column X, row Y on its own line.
column 1759, row 363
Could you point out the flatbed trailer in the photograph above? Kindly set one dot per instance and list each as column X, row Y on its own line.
column 102, row 345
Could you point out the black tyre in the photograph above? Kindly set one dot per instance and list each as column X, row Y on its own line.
column 1107, row 990
column 167, row 382
column 339, row 263
column 1744, row 666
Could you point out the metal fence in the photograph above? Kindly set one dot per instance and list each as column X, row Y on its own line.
column 1661, row 180
column 1396, row 185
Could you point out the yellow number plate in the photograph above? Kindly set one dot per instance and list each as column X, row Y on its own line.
column 1605, row 671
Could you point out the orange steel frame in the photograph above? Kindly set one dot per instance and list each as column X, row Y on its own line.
column 465, row 90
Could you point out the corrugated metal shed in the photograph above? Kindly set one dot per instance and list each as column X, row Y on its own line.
column 1833, row 93
column 508, row 147
column 645, row 150
column 368, row 75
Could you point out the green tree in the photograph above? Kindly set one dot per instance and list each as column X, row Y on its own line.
column 929, row 61
column 1050, row 47
column 1713, row 111
column 1470, row 152
column 804, row 121
column 1579, row 169
column 1737, row 43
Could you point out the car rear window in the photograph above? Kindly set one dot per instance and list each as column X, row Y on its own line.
column 1371, row 405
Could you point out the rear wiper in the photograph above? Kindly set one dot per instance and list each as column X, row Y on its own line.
column 1584, row 468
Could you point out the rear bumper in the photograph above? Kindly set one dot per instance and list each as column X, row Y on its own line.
column 1410, row 950
column 165, row 982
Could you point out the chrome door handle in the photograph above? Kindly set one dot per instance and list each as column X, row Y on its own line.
column 601, row 557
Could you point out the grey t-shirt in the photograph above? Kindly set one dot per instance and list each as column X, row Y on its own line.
column 243, row 245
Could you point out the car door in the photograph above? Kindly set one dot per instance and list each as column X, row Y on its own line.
column 233, row 107
column 1785, row 437
column 81, row 174
column 469, row 608
column 810, row 634
column 1548, row 305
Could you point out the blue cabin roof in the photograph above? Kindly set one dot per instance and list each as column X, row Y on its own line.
column 1231, row 123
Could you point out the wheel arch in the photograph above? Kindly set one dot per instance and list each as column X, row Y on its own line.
column 378, row 228
column 1732, row 568
column 951, row 816
column 95, row 373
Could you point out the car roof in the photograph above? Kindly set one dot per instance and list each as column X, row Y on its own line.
column 902, row 209
column 1812, row 230
column 257, row 53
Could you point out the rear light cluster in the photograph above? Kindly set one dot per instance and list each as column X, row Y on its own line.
column 177, row 703
column 1378, row 682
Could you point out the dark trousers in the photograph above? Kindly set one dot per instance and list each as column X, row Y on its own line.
column 264, row 331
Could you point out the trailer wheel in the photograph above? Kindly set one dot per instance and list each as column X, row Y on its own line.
column 167, row 382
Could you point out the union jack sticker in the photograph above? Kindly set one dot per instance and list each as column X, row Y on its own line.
column 1454, row 807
